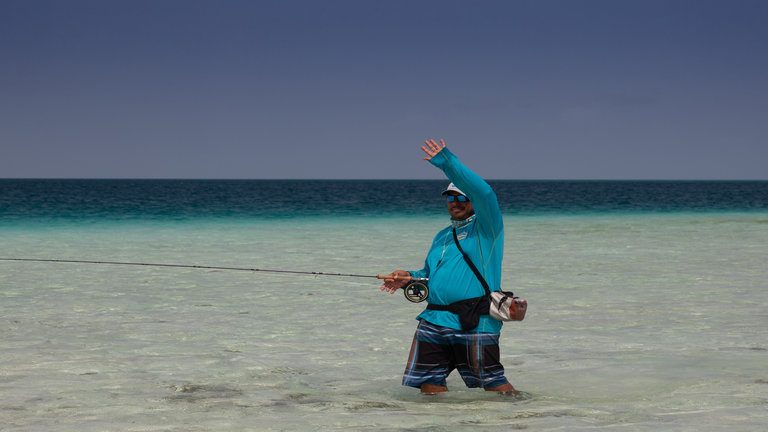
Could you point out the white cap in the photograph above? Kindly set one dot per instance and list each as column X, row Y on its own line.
column 452, row 188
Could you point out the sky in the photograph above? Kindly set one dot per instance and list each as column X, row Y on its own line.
column 545, row 89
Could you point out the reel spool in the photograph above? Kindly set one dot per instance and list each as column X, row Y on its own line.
column 416, row 291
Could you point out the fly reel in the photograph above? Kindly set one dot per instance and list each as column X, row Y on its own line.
column 416, row 291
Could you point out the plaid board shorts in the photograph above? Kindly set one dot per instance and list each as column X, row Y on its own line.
column 437, row 350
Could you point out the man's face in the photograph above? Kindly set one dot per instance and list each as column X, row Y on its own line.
column 459, row 210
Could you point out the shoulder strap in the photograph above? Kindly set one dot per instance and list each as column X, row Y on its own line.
column 471, row 264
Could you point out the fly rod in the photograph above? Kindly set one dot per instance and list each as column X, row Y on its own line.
column 416, row 291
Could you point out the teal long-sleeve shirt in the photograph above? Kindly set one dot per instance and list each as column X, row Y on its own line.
column 482, row 238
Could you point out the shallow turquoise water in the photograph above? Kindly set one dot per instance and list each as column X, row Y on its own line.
column 650, row 321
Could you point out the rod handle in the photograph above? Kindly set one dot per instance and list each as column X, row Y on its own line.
column 395, row 277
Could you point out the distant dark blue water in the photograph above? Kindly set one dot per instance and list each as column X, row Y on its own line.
column 31, row 200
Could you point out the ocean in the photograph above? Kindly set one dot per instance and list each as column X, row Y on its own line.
column 647, row 306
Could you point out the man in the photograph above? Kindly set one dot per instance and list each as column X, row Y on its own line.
column 440, row 345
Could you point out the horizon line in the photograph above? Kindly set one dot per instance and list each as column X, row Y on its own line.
column 390, row 179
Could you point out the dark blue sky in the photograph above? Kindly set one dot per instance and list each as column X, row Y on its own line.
column 348, row 89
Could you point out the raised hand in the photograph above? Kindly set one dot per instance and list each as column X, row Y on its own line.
column 432, row 148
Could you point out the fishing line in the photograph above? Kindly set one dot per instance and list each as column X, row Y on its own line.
column 416, row 291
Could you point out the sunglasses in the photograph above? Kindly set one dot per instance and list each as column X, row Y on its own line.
column 456, row 198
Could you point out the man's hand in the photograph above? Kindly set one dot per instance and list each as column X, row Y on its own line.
column 395, row 281
column 432, row 148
